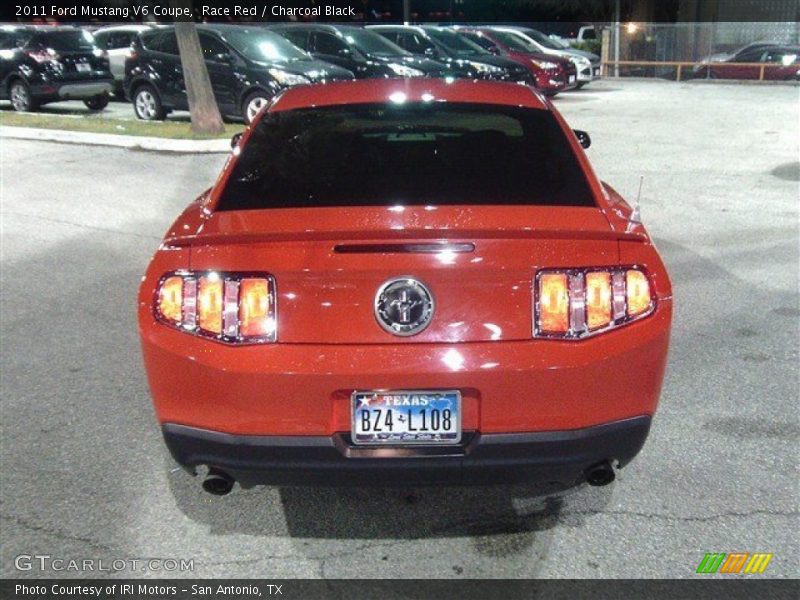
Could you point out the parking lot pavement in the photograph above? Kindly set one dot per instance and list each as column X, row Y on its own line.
column 85, row 474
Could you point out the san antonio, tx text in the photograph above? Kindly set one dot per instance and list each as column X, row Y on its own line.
column 142, row 590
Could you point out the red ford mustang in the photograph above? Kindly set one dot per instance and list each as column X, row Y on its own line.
column 406, row 282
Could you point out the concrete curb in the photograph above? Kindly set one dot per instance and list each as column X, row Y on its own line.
column 131, row 142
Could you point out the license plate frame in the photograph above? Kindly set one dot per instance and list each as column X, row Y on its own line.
column 441, row 399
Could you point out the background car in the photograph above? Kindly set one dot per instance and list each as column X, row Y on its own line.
column 572, row 34
column 13, row 36
column 552, row 74
column 723, row 56
column 116, row 41
column 587, row 64
column 365, row 53
column 247, row 67
column 49, row 64
column 784, row 64
column 462, row 56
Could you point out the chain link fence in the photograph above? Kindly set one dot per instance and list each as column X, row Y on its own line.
column 686, row 47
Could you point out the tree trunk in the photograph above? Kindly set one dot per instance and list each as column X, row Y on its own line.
column 202, row 104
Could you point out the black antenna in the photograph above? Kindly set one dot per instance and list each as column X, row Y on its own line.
column 635, row 218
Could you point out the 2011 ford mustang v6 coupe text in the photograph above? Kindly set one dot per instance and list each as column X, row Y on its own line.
column 406, row 282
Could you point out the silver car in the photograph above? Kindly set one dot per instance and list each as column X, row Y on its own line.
column 116, row 41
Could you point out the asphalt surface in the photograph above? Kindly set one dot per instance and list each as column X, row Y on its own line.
column 116, row 109
column 85, row 474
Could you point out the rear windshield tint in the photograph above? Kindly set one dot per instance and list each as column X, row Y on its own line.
column 411, row 154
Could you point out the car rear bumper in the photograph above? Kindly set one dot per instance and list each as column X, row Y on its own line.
column 71, row 90
column 552, row 84
column 86, row 89
column 305, row 389
column 556, row 457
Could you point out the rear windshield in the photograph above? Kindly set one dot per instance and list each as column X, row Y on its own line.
column 67, row 41
column 409, row 154
column 542, row 39
column 514, row 41
column 264, row 46
column 455, row 43
column 10, row 40
column 372, row 43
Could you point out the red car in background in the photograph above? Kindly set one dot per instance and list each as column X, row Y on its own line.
column 781, row 63
column 553, row 74
column 403, row 282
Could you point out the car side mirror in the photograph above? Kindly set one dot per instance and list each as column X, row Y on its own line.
column 345, row 52
column 430, row 52
column 235, row 139
column 583, row 138
column 494, row 50
column 223, row 57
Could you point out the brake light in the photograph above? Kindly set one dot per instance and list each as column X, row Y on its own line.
column 575, row 303
column 638, row 293
column 170, row 299
column 43, row 55
column 255, row 300
column 229, row 307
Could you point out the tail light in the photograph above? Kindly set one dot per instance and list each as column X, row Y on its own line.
column 235, row 308
column 598, row 299
column 170, row 299
column 553, row 303
column 576, row 303
column 209, row 303
column 637, row 293
column 255, row 306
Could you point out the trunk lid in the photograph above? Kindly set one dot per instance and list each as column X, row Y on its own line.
column 329, row 263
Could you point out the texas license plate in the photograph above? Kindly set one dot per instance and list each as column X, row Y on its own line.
column 406, row 417
column 572, row 78
column 83, row 67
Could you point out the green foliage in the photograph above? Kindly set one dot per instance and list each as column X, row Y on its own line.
column 97, row 124
column 588, row 46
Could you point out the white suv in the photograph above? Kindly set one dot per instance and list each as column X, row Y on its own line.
column 586, row 63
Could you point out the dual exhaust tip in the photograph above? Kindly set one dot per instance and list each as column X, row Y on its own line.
column 600, row 474
column 219, row 483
